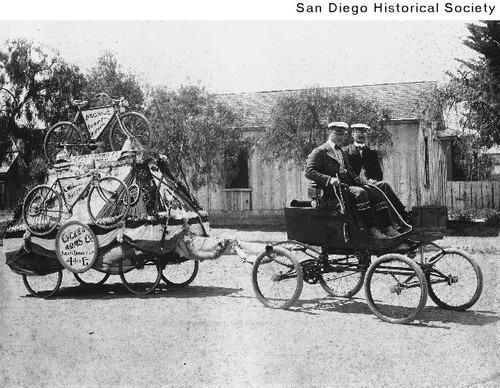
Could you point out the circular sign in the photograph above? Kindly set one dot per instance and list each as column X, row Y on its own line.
column 76, row 247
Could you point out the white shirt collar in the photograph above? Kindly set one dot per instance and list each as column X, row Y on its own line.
column 356, row 144
column 331, row 144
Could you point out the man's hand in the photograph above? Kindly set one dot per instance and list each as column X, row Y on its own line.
column 372, row 181
column 335, row 182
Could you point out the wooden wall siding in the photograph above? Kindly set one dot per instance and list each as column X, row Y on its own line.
column 473, row 195
column 274, row 185
column 237, row 199
column 400, row 164
column 404, row 164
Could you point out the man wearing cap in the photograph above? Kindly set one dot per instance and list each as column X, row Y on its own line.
column 328, row 166
column 365, row 163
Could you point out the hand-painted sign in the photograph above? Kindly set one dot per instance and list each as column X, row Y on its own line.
column 72, row 187
column 76, row 247
column 96, row 159
column 97, row 119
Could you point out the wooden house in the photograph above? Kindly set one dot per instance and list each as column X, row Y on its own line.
column 14, row 177
column 415, row 165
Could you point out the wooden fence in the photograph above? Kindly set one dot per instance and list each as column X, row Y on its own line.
column 473, row 195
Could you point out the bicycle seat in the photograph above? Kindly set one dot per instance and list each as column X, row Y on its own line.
column 79, row 103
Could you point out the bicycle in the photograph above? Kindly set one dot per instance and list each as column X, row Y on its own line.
column 108, row 202
column 75, row 137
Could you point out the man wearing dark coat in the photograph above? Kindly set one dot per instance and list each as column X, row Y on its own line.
column 328, row 166
column 365, row 163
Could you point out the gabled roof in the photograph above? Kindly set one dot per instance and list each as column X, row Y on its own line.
column 10, row 156
column 403, row 99
column 7, row 161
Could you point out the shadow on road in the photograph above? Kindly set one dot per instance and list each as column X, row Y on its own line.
column 467, row 318
column 117, row 291
column 431, row 317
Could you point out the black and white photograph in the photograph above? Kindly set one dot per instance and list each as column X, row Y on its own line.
column 245, row 199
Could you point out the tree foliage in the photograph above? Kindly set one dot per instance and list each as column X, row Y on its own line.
column 193, row 129
column 36, row 85
column 476, row 84
column 474, row 88
column 299, row 121
column 108, row 77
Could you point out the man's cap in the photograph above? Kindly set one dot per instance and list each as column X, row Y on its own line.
column 360, row 127
column 338, row 126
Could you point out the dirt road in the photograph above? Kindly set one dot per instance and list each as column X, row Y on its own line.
column 216, row 333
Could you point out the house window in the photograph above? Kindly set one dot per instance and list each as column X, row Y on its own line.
column 237, row 194
column 426, row 163
column 237, row 172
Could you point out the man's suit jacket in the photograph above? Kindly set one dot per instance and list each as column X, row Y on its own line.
column 370, row 161
column 321, row 167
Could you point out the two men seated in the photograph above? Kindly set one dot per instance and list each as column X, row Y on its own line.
column 329, row 166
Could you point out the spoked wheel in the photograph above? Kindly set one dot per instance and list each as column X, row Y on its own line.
column 63, row 135
column 455, row 280
column 143, row 278
column 91, row 278
column 43, row 286
column 42, row 210
column 396, row 289
column 277, row 278
column 343, row 278
column 180, row 274
column 108, row 202
column 136, row 124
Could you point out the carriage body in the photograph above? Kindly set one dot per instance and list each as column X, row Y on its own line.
column 398, row 274
column 336, row 229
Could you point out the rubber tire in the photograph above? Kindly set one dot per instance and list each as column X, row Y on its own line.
column 50, row 293
column 295, row 294
column 423, row 288
column 58, row 210
column 348, row 293
column 479, row 288
column 84, row 283
column 185, row 282
column 130, row 286
column 123, row 190
column 117, row 137
column 48, row 140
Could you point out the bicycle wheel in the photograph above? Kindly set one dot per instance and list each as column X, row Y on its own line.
column 42, row 210
column 91, row 278
column 108, row 202
column 455, row 280
column 396, row 289
column 142, row 279
column 180, row 274
column 135, row 124
column 43, row 286
column 63, row 135
column 343, row 278
column 277, row 278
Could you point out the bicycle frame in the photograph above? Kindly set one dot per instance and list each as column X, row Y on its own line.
column 72, row 194
column 97, row 120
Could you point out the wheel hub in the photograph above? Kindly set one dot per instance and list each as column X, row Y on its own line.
column 396, row 289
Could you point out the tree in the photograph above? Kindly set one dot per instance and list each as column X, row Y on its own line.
column 299, row 121
column 108, row 77
column 476, row 84
column 194, row 130
column 36, row 85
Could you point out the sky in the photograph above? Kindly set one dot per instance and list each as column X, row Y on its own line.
column 246, row 56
